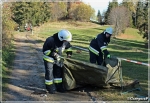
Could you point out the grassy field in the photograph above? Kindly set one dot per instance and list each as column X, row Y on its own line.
column 129, row 45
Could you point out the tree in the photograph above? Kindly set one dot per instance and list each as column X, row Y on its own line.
column 103, row 17
column 19, row 10
column 111, row 5
column 69, row 7
column 99, row 17
column 58, row 10
column 142, row 19
column 119, row 17
column 81, row 12
column 8, row 25
column 34, row 12
column 141, row 14
column 131, row 7
column 72, row 11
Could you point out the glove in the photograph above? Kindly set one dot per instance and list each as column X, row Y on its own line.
column 57, row 57
column 108, row 56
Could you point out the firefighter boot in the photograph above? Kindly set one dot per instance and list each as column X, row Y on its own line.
column 60, row 87
column 51, row 88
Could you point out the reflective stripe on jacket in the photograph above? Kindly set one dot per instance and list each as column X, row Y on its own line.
column 46, row 57
column 47, row 52
column 49, row 59
column 93, row 50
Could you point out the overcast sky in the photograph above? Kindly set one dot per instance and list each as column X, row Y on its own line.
column 99, row 4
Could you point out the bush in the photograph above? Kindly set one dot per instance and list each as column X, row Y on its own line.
column 21, row 29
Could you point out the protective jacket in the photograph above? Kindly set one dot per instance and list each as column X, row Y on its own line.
column 98, row 48
column 54, row 45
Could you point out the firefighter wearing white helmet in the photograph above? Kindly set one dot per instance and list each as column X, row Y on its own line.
column 64, row 35
column 52, row 49
column 109, row 30
column 98, row 47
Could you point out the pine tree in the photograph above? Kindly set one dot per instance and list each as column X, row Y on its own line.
column 99, row 17
column 35, row 13
column 139, row 14
column 142, row 19
column 19, row 12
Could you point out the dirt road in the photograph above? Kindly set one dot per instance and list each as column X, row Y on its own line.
column 26, row 82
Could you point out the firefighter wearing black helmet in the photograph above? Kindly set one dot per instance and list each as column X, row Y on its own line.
column 52, row 49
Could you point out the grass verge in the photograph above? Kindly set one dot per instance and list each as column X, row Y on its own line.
column 129, row 45
column 7, row 60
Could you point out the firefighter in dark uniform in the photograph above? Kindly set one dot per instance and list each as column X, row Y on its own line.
column 52, row 50
column 98, row 47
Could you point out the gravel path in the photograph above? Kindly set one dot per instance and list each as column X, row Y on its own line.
column 26, row 82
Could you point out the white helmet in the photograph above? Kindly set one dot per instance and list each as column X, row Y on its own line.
column 109, row 30
column 64, row 35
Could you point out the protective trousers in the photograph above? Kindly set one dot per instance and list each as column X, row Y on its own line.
column 53, row 77
column 49, row 77
column 58, row 74
column 96, row 58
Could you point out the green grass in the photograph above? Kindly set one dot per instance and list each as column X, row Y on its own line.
column 7, row 60
column 129, row 45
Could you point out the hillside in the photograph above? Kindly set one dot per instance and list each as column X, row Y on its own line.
column 129, row 45
column 28, row 68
